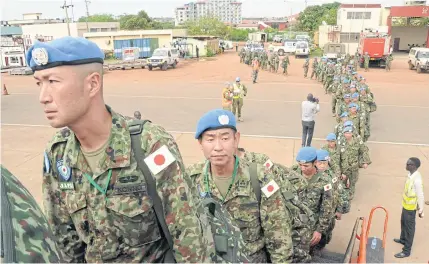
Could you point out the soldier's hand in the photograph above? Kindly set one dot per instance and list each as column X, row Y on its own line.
column 316, row 238
column 348, row 183
column 343, row 177
column 365, row 166
column 338, row 216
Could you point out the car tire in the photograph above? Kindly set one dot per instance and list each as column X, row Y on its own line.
column 164, row 66
column 410, row 66
column 174, row 65
column 419, row 69
column 149, row 68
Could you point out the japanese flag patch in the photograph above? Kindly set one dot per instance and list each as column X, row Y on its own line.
column 159, row 160
column 270, row 188
column 327, row 187
column 268, row 164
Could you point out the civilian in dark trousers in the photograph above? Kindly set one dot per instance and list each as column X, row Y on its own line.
column 412, row 202
column 309, row 110
column 198, row 52
column 307, row 132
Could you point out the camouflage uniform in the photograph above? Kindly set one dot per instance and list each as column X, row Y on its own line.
column 306, row 65
column 353, row 154
column 112, row 218
column 302, row 217
column 329, row 77
column 314, row 69
column 28, row 237
column 285, row 63
column 366, row 101
column 319, row 197
column 358, row 120
column 276, row 61
column 266, row 228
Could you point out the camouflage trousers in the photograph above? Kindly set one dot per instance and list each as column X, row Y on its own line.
column 237, row 104
column 367, row 127
column 305, row 72
column 276, row 67
column 301, row 238
column 353, row 176
column 255, row 75
column 285, row 71
column 327, row 83
column 313, row 74
column 326, row 237
column 334, row 104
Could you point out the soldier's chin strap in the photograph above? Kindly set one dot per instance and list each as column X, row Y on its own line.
column 136, row 128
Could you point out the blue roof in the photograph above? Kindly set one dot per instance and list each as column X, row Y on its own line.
column 6, row 31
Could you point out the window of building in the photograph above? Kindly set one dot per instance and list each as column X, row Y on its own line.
column 349, row 37
column 104, row 30
column 92, row 30
column 14, row 60
column 358, row 15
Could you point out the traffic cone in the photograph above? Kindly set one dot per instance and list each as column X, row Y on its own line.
column 5, row 90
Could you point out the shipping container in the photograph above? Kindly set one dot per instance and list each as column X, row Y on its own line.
column 146, row 46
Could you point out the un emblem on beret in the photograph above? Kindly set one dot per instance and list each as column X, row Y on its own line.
column 223, row 120
column 40, row 56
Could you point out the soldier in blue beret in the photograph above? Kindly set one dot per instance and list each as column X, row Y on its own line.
column 319, row 195
column 230, row 182
column 94, row 167
column 343, row 105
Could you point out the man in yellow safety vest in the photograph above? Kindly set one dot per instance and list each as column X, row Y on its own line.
column 412, row 201
column 239, row 91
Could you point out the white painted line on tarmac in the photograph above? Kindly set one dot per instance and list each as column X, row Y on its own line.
column 257, row 136
column 218, row 98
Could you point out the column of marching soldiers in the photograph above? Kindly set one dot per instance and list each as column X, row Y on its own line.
column 326, row 196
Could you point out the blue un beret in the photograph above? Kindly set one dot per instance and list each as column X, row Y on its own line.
column 322, row 155
column 348, row 123
column 344, row 114
column 355, row 95
column 348, row 129
column 215, row 119
column 346, row 96
column 306, row 154
column 331, row 137
column 63, row 51
column 353, row 105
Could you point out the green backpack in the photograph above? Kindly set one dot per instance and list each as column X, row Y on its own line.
column 302, row 216
column 229, row 244
column 25, row 233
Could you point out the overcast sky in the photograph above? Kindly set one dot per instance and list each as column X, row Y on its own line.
column 13, row 9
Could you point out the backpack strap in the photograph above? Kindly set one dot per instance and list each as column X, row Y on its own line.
column 136, row 128
column 255, row 182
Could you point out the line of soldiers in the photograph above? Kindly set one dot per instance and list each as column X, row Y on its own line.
column 269, row 60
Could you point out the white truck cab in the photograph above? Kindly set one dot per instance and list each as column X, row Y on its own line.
column 418, row 58
column 163, row 58
column 289, row 46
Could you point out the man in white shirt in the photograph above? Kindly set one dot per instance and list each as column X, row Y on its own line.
column 412, row 202
column 309, row 109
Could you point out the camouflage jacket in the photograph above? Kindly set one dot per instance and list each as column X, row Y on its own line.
column 319, row 197
column 26, row 234
column 359, row 122
column 285, row 62
column 264, row 227
column 302, row 216
column 353, row 154
column 366, row 100
column 334, row 163
column 306, row 64
column 315, row 65
column 342, row 107
column 341, row 202
column 115, row 222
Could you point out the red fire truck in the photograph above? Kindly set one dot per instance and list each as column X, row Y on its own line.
column 378, row 47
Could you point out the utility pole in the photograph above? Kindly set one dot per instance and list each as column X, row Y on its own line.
column 71, row 2
column 87, row 14
column 65, row 6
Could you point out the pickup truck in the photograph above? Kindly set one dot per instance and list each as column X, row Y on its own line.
column 163, row 58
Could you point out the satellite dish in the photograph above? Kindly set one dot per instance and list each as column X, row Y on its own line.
column 324, row 23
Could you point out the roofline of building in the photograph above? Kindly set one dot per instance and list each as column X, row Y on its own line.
column 360, row 6
column 129, row 33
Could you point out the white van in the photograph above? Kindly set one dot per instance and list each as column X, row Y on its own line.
column 289, row 46
column 302, row 49
column 418, row 58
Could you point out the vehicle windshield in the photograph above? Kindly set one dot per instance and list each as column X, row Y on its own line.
column 423, row 55
column 302, row 45
column 160, row 53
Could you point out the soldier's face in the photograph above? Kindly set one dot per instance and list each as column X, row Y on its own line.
column 308, row 168
column 219, row 146
column 353, row 110
column 63, row 95
column 348, row 135
column 322, row 165
column 332, row 143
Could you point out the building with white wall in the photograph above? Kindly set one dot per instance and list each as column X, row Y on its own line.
column 415, row 2
column 12, row 52
column 228, row 11
column 355, row 18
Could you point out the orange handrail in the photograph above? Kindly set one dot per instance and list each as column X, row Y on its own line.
column 385, row 223
column 362, row 244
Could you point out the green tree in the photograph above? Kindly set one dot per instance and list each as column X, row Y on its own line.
column 312, row 17
column 99, row 18
column 207, row 26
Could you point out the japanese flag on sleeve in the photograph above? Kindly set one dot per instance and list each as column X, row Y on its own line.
column 159, row 160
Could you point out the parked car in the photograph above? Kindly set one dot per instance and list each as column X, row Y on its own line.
column 289, row 46
column 163, row 58
column 302, row 49
column 418, row 58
